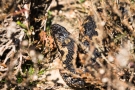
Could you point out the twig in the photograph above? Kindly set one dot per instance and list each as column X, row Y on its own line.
column 12, row 51
column 3, row 69
column 43, row 23
column 20, row 63
column 5, row 47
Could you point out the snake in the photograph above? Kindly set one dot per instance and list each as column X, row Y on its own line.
column 69, row 49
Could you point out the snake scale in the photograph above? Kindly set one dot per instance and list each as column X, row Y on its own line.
column 68, row 49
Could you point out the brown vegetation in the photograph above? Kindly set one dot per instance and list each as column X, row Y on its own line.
column 29, row 58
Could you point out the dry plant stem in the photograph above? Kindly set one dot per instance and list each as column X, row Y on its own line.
column 43, row 24
column 90, row 54
column 20, row 63
column 130, row 14
column 5, row 47
column 19, row 6
column 9, row 54
column 111, row 64
column 96, row 15
column 97, row 46
column 103, row 4
column 27, row 10
column 131, row 77
column 117, row 1
column 26, row 13
column 1, row 69
column 125, row 20
column 21, row 35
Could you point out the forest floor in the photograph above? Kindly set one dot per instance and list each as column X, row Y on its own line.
column 29, row 59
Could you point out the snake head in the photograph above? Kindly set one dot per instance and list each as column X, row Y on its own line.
column 59, row 32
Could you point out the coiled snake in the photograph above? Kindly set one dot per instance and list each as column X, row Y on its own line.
column 74, row 76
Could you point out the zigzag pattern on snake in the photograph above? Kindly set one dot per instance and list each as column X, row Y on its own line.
column 68, row 48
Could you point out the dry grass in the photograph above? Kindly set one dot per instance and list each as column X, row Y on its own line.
column 29, row 58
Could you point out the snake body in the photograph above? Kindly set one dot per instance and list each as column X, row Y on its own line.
column 68, row 50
